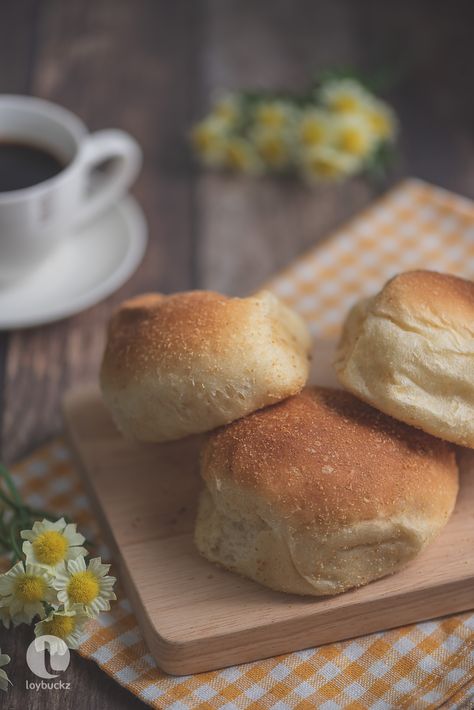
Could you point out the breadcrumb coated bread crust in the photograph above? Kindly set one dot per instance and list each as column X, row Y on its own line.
column 322, row 493
column 324, row 457
column 186, row 363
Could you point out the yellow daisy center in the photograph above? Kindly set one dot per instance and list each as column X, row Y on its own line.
column 83, row 588
column 271, row 116
column 312, row 133
column 60, row 626
column 30, row 588
column 50, row 547
column 345, row 103
column 203, row 139
column 353, row 142
column 325, row 168
column 380, row 124
column 236, row 157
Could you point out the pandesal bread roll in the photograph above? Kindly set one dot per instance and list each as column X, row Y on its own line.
column 321, row 493
column 409, row 351
column 187, row 363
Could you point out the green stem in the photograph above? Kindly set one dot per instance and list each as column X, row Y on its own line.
column 3, row 527
column 20, row 516
column 7, row 500
column 17, row 555
column 5, row 474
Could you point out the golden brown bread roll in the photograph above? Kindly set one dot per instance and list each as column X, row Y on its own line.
column 187, row 363
column 321, row 493
column 409, row 351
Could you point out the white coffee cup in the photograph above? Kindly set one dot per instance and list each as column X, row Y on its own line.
column 35, row 220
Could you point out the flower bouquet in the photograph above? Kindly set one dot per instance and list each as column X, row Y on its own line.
column 336, row 129
column 50, row 582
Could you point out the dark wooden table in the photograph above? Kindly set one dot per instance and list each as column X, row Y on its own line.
column 149, row 67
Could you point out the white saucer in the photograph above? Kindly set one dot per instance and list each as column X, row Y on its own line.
column 89, row 266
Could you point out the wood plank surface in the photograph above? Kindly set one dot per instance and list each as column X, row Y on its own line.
column 196, row 617
column 150, row 67
column 117, row 67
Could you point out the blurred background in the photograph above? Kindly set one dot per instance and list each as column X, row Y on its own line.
column 151, row 67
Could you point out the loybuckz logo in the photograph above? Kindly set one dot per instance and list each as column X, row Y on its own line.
column 59, row 658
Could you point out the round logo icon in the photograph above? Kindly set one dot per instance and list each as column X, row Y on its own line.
column 59, row 656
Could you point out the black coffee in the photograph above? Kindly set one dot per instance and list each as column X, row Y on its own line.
column 24, row 165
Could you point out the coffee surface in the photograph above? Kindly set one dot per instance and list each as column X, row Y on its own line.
column 23, row 165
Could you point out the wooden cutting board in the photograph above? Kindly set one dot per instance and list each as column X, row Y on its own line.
column 196, row 617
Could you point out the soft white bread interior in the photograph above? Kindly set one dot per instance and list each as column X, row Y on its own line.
column 409, row 351
column 321, row 493
column 187, row 363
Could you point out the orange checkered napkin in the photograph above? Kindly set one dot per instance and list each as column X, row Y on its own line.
column 423, row 666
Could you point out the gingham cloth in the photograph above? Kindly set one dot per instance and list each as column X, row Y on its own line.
column 426, row 665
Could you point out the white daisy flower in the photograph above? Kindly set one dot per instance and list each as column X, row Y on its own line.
column 88, row 589
column 4, row 679
column 273, row 146
column 65, row 625
column 314, row 127
column 208, row 139
column 239, row 154
column 344, row 95
column 274, row 114
column 23, row 589
column 326, row 164
column 7, row 618
column 49, row 544
column 382, row 120
column 353, row 134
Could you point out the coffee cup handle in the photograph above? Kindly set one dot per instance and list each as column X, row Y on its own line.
column 125, row 156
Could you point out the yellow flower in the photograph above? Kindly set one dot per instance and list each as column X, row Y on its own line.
column 23, row 589
column 326, row 164
column 382, row 119
column 65, row 625
column 86, row 589
column 227, row 109
column 314, row 127
column 344, row 95
column 273, row 146
column 239, row 154
column 208, row 139
column 4, row 679
column 353, row 134
column 49, row 544
column 274, row 114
